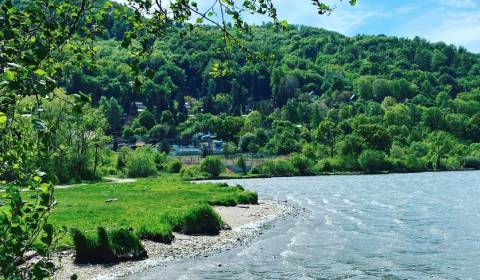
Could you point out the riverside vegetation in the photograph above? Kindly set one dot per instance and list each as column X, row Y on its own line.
column 107, row 220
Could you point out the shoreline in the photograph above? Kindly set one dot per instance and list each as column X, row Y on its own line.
column 246, row 222
column 240, row 177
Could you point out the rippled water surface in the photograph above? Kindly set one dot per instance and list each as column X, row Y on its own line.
column 406, row 226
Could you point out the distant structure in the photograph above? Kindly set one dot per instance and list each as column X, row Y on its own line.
column 209, row 145
column 137, row 108
column 203, row 144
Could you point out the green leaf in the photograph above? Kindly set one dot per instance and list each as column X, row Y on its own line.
column 8, row 75
column 3, row 119
column 41, row 72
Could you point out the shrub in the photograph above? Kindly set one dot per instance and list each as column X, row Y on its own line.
column 108, row 247
column 472, row 162
column 174, row 166
column 122, row 157
column 324, row 166
column 200, row 220
column 141, row 163
column 212, row 165
column 242, row 164
column 302, row 165
column 277, row 167
column 372, row 161
column 128, row 133
column 161, row 160
column 190, row 172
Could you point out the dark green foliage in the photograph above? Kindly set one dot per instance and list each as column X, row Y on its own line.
column 372, row 161
column 303, row 165
column 174, row 166
column 277, row 168
column 107, row 247
column 242, row 164
column 212, row 165
column 472, row 162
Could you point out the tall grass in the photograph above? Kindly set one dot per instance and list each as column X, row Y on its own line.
column 151, row 208
column 107, row 247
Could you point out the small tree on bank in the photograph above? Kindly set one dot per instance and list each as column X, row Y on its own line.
column 212, row 165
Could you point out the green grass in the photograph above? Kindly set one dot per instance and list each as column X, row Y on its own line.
column 150, row 208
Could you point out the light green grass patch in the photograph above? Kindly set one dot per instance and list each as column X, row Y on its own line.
column 151, row 207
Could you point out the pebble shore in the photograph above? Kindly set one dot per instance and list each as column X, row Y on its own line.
column 246, row 222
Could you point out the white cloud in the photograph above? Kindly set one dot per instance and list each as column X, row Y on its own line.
column 344, row 19
column 459, row 3
column 459, row 29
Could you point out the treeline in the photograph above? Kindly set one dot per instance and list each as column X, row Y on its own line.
column 364, row 103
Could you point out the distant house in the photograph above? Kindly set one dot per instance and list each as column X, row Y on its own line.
column 137, row 108
column 209, row 145
column 138, row 144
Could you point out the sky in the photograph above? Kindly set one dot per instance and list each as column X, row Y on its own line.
column 452, row 21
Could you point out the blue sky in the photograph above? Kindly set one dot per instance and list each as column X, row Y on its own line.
column 452, row 21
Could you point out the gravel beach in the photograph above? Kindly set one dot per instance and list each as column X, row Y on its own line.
column 246, row 222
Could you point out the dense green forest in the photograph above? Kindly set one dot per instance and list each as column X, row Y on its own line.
column 363, row 103
column 79, row 78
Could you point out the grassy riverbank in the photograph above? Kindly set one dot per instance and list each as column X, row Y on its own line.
column 149, row 208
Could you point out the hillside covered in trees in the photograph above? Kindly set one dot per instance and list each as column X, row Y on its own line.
column 349, row 103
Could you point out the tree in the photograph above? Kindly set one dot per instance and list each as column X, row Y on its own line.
column 212, row 165
column 327, row 134
column 441, row 144
column 372, row 161
column 113, row 112
column 242, row 164
column 146, row 119
column 375, row 136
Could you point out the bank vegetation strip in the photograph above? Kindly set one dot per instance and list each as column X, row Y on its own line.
column 106, row 220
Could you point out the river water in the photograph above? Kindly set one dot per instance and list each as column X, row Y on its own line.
column 400, row 226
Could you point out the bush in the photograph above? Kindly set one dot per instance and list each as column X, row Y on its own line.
column 372, row 161
column 161, row 160
column 200, row 220
column 128, row 133
column 277, row 167
column 190, row 172
column 212, row 165
column 324, row 166
column 141, row 163
column 174, row 166
column 108, row 246
column 303, row 165
column 472, row 162
column 242, row 164
column 122, row 158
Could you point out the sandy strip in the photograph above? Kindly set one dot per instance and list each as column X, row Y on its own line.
column 246, row 221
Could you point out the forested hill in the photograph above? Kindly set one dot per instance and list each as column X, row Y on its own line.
column 369, row 92
column 306, row 60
